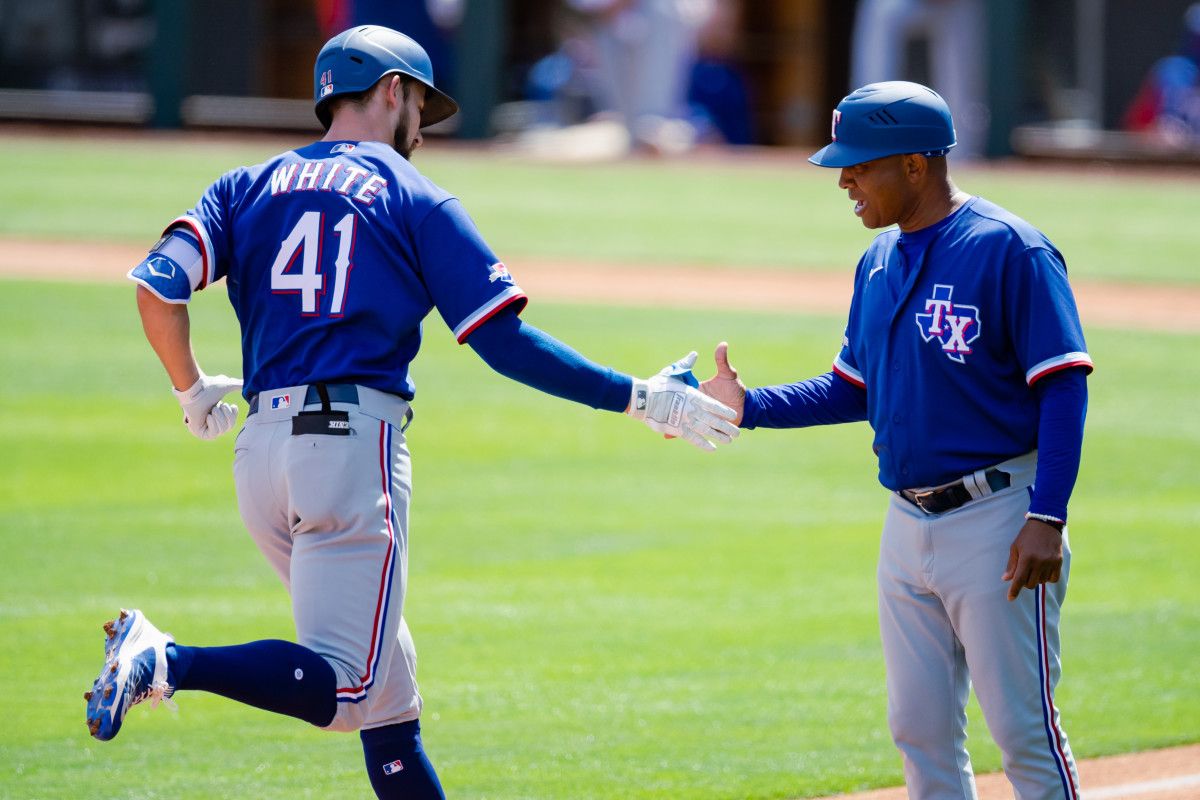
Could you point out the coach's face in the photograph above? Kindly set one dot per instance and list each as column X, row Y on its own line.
column 881, row 190
column 408, row 126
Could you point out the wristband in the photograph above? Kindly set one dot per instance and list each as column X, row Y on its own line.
column 1053, row 522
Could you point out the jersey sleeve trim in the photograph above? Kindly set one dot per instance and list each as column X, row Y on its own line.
column 511, row 295
column 848, row 372
column 206, row 248
column 1051, row 365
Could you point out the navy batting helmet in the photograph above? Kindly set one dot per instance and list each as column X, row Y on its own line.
column 887, row 119
column 355, row 59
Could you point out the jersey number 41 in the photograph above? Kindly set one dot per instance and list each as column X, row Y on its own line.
column 306, row 240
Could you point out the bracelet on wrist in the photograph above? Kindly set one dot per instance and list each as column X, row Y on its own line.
column 1053, row 522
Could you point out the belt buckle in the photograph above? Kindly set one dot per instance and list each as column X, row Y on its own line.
column 919, row 498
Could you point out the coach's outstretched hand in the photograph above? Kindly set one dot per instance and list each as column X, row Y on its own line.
column 204, row 414
column 671, row 404
column 725, row 385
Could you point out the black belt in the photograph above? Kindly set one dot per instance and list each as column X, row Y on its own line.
column 338, row 393
column 952, row 495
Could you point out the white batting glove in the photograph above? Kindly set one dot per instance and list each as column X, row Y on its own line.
column 203, row 412
column 671, row 404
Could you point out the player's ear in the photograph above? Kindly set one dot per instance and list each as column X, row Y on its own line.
column 915, row 166
column 391, row 87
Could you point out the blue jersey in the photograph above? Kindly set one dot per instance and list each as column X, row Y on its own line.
column 949, row 347
column 333, row 254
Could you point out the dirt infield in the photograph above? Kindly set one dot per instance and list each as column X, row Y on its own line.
column 1171, row 774
column 1102, row 304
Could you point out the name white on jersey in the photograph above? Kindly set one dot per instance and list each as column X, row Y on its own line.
column 361, row 185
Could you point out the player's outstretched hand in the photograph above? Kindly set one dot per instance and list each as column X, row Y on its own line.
column 671, row 404
column 203, row 412
column 725, row 385
column 1035, row 557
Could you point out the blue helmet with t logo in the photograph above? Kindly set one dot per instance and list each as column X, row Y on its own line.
column 355, row 59
column 887, row 119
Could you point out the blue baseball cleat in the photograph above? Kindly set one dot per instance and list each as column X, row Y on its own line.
column 135, row 670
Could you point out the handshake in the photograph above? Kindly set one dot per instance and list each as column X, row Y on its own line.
column 674, row 403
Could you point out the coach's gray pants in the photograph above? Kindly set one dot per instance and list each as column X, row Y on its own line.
column 947, row 624
column 330, row 513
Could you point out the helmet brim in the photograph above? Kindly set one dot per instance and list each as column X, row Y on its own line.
column 438, row 106
column 836, row 154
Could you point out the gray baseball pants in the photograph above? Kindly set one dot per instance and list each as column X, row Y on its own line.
column 330, row 513
column 947, row 625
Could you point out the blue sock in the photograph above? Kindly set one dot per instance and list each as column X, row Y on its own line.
column 397, row 764
column 273, row 675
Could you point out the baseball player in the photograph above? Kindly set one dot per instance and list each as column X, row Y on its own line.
column 332, row 254
column 965, row 352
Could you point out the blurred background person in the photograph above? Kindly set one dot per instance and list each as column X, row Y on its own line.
column 659, row 76
column 953, row 32
column 644, row 51
column 1167, row 106
column 718, row 95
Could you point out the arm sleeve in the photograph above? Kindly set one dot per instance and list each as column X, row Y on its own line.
column 1063, row 403
column 824, row 400
column 520, row 351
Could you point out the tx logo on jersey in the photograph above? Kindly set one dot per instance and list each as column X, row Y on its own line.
column 953, row 325
column 499, row 273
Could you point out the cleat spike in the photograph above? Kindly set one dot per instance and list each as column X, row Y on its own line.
column 110, row 628
column 108, row 692
column 124, row 615
column 87, row 696
column 114, row 667
column 94, row 726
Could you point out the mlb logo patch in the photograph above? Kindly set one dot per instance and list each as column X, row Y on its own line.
column 327, row 90
column 344, row 147
column 393, row 768
column 281, row 401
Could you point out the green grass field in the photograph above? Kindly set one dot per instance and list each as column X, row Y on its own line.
column 599, row 614
column 787, row 215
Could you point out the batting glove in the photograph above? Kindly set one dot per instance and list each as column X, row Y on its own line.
column 203, row 412
column 671, row 404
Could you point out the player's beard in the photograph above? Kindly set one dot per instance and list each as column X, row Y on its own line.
column 402, row 143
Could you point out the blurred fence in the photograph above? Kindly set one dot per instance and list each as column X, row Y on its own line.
column 1060, row 73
